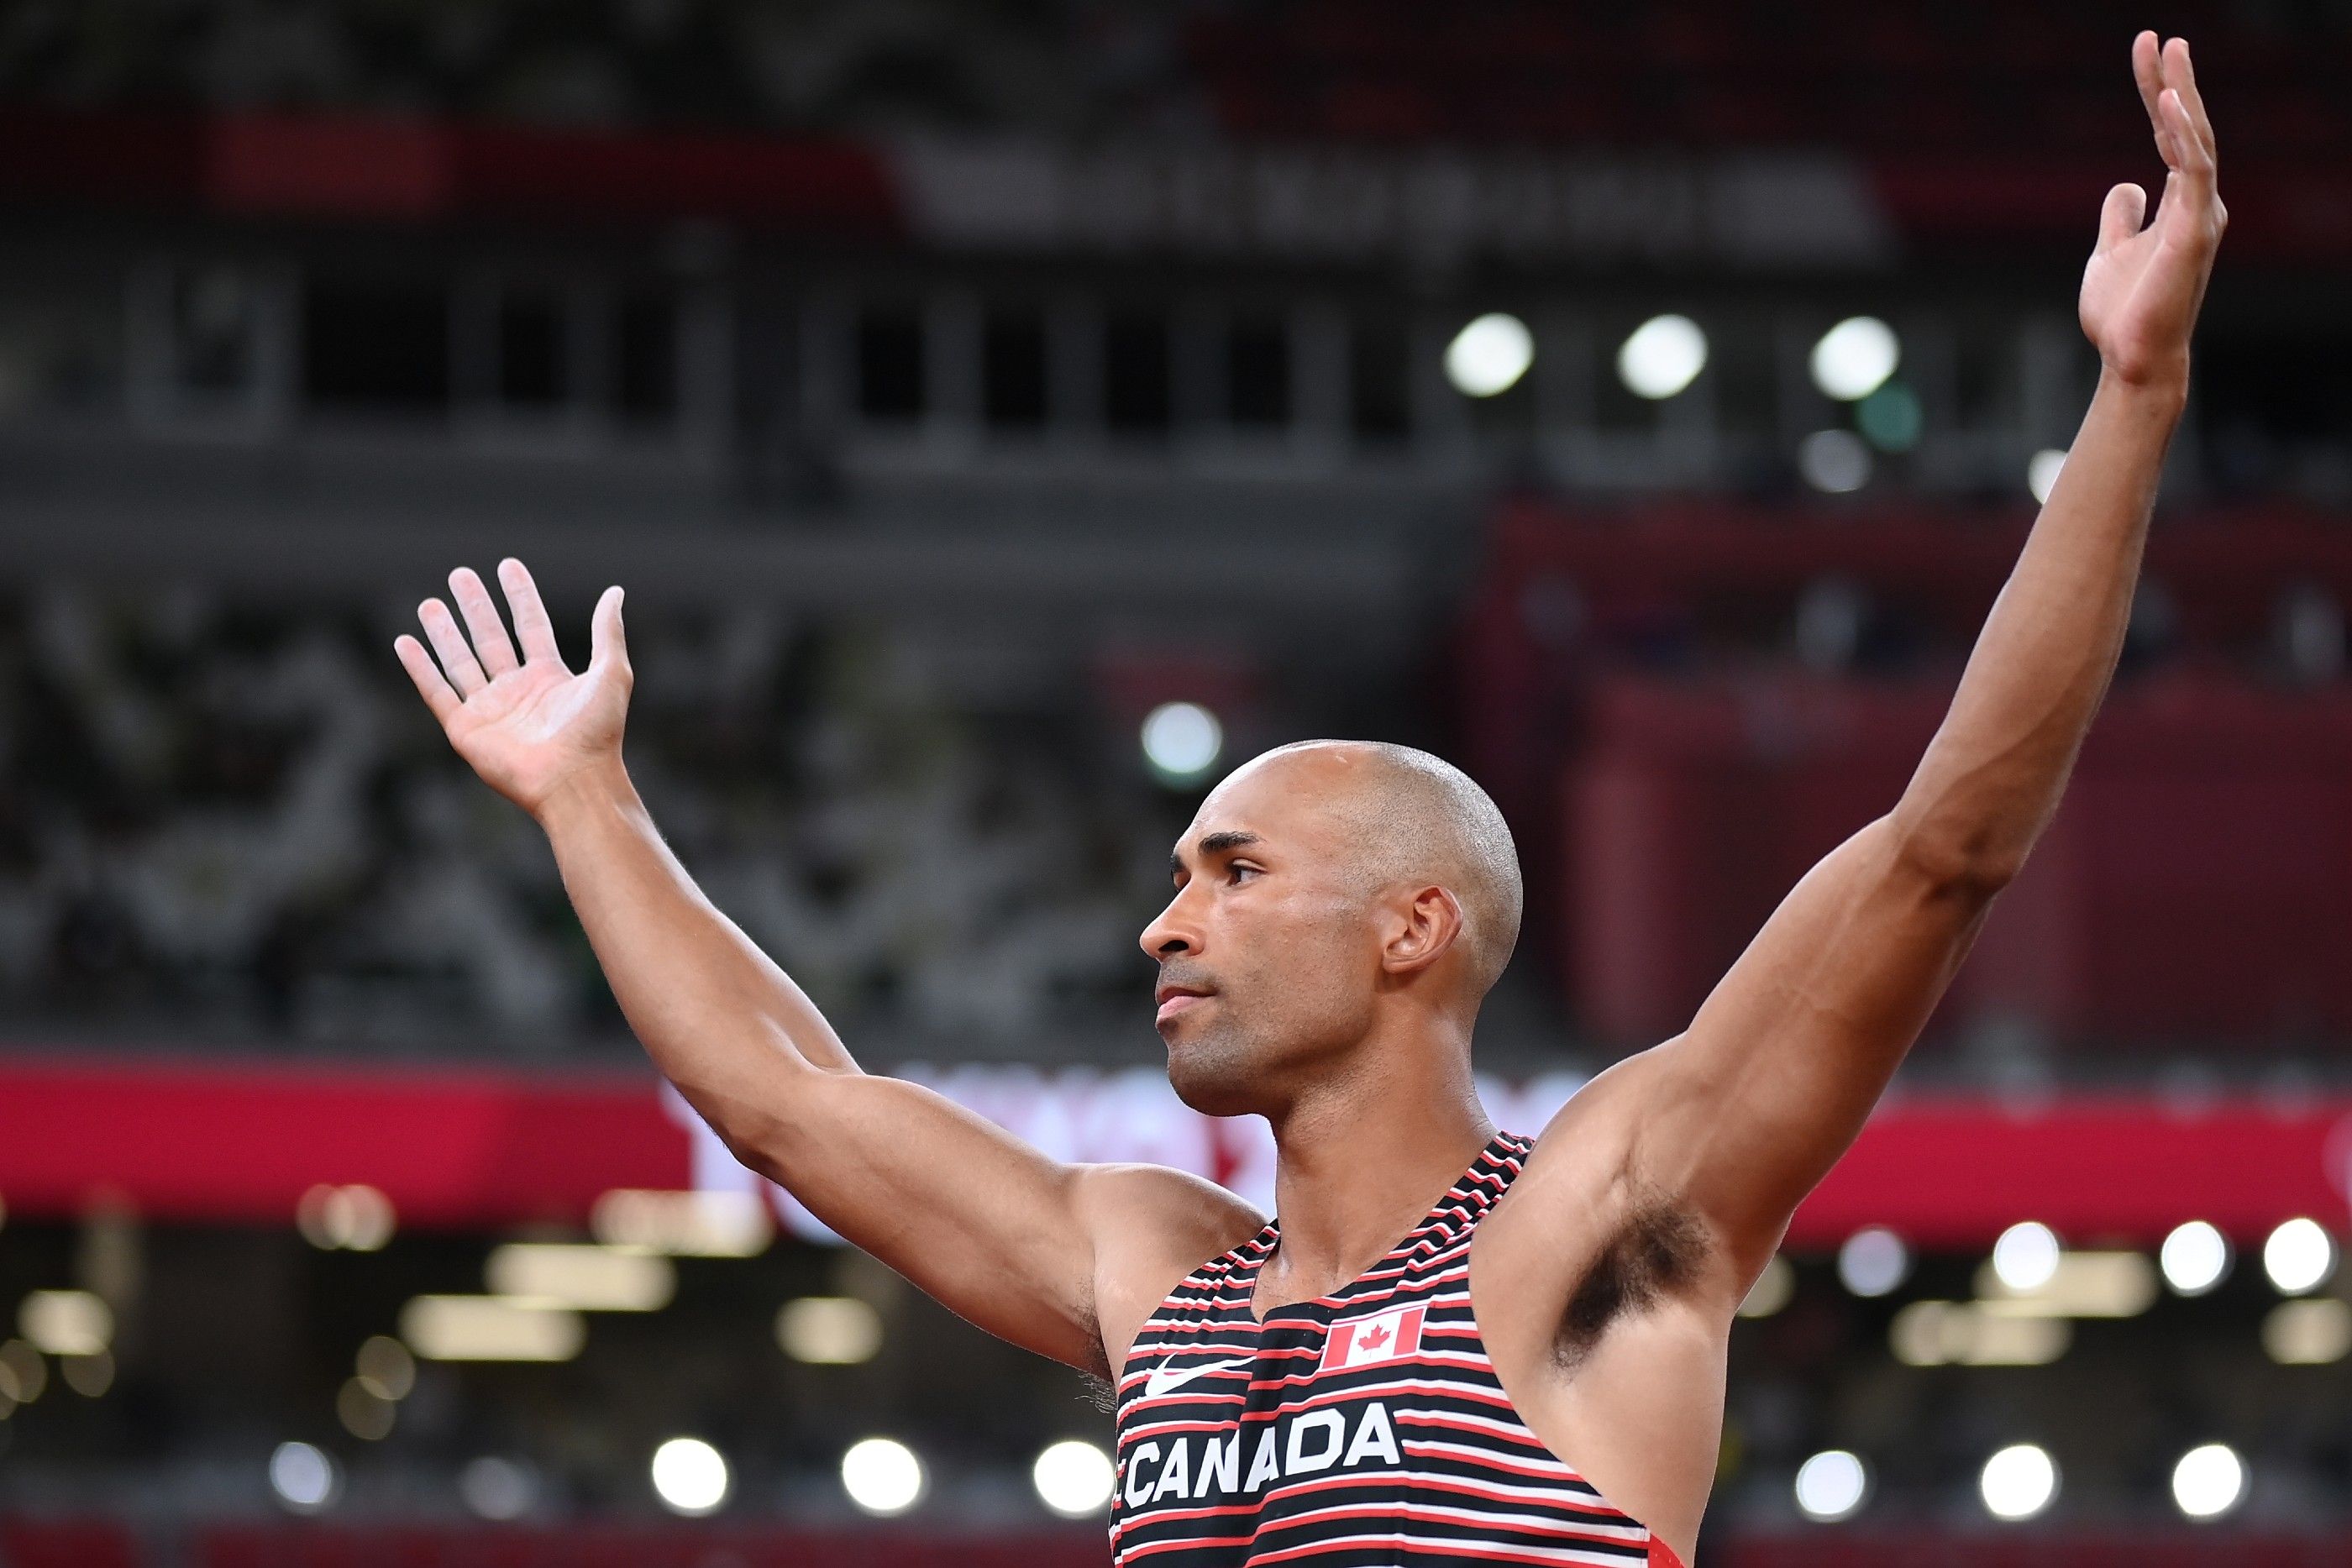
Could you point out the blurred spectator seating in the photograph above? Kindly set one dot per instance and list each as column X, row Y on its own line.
column 235, row 821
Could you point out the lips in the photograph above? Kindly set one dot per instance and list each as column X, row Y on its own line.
column 1174, row 999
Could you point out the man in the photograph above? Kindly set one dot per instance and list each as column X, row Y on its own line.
column 1319, row 1390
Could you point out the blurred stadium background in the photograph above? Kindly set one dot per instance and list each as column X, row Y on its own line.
column 1005, row 417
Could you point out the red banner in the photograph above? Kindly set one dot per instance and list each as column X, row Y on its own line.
column 243, row 1143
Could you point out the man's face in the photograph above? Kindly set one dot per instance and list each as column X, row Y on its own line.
column 1269, row 953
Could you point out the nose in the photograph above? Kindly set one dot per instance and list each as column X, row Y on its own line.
column 1176, row 931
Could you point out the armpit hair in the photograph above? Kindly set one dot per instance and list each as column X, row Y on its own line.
column 1656, row 1252
column 1098, row 1369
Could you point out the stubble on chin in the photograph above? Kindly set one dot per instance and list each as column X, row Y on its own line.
column 1211, row 1073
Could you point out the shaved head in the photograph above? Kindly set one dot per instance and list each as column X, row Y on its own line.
column 1332, row 898
column 1410, row 816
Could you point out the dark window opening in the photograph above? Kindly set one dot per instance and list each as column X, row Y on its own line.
column 1257, row 373
column 531, row 350
column 1013, row 370
column 1135, row 373
column 890, row 364
column 376, row 347
column 648, row 368
column 1378, row 382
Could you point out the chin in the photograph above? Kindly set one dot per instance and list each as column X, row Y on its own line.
column 1212, row 1077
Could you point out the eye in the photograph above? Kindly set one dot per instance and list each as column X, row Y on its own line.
column 1238, row 869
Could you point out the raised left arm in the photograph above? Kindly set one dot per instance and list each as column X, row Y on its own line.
column 1740, row 1116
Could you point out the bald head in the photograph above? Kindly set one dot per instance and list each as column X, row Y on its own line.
column 1410, row 816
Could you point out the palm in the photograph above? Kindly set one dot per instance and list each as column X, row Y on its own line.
column 532, row 723
column 524, row 724
column 2142, row 287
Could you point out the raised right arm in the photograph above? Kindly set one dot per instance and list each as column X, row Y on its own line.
column 1065, row 1259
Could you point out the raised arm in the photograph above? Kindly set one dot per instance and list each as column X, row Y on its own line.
column 1063, row 1260
column 1744, row 1112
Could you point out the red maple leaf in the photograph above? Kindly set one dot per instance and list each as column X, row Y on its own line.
column 1377, row 1338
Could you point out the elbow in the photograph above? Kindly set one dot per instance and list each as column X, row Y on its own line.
column 1968, row 861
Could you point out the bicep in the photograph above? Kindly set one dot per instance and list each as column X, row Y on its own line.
column 1750, row 1107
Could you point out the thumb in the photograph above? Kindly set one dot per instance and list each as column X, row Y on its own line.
column 605, row 643
column 2120, row 217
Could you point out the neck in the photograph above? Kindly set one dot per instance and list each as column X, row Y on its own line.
column 1360, row 1161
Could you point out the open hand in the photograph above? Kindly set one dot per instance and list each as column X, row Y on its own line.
column 527, row 725
column 2142, row 287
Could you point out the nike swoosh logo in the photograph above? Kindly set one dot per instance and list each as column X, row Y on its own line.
column 1163, row 1380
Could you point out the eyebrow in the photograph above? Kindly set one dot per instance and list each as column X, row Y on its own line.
column 1212, row 844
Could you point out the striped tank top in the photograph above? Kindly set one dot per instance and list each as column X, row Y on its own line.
column 1362, row 1430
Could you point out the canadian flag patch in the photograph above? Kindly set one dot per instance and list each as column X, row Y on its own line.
column 1366, row 1342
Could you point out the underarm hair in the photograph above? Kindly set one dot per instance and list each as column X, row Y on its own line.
column 1656, row 1252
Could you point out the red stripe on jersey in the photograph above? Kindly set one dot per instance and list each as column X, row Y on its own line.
column 1428, row 1451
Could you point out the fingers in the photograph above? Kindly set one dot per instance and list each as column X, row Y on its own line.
column 444, row 702
column 449, row 645
column 606, row 645
column 531, row 624
column 2147, row 70
column 489, row 632
column 2182, row 78
column 2121, row 217
column 2194, row 170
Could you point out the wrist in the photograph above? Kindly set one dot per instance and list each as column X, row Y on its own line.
column 596, row 787
column 2160, row 386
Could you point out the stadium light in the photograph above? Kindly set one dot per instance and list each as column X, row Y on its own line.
column 385, row 1364
column 2195, row 1257
column 1181, row 741
column 1832, row 1486
column 586, row 1279
column 2308, row 1334
column 2026, row 1256
column 88, row 1375
column 1662, row 356
column 490, row 1328
column 1890, row 418
column 1835, row 461
column 352, row 1219
column 2041, row 473
column 497, row 1488
column 1488, row 357
column 1772, row 1289
column 1975, row 1333
column 364, row 1412
column 305, row 1479
column 2082, row 1285
column 829, row 1330
column 2019, row 1482
column 1854, row 357
column 882, row 1476
column 66, row 1322
column 2299, row 1257
column 1075, row 1478
column 2209, row 1481
column 685, row 1224
column 690, row 1477
column 1874, row 1261
column 23, row 1373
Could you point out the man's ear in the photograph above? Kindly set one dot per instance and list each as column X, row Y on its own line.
column 1431, row 926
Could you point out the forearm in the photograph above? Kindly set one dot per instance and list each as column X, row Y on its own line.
column 1992, row 777
column 718, row 1017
